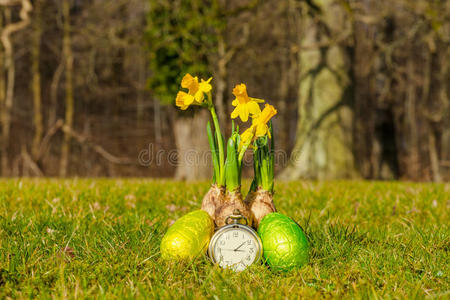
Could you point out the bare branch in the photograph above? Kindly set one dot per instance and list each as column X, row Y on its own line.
column 30, row 163
column 97, row 148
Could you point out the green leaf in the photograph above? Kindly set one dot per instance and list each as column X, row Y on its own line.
column 264, row 161
column 232, row 176
column 214, row 153
column 272, row 157
column 256, row 165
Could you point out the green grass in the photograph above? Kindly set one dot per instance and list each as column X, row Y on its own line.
column 100, row 239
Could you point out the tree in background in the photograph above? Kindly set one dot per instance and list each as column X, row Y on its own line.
column 8, row 65
column 106, row 38
column 38, row 120
column 323, row 146
column 69, row 107
column 368, row 101
column 401, row 103
column 361, row 86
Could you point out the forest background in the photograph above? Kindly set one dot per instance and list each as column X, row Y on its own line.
column 87, row 87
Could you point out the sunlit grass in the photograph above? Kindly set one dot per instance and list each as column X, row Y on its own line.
column 95, row 238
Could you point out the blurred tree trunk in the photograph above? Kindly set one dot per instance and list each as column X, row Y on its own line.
column 289, row 78
column 37, row 99
column 221, row 78
column 3, row 112
column 68, row 57
column 54, row 88
column 366, row 147
column 8, row 98
column 374, row 131
column 437, row 110
column 193, row 154
column 323, row 142
column 9, row 90
column 444, row 94
column 157, row 112
column 418, row 60
column 142, row 68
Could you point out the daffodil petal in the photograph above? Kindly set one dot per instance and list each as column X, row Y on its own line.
column 257, row 100
column 187, row 79
column 253, row 108
column 190, row 83
column 188, row 99
column 205, row 87
column 235, row 113
column 199, row 96
column 179, row 101
column 261, row 130
column 235, row 102
column 243, row 114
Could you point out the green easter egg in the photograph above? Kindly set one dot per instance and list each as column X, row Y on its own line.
column 285, row 246
column 188, row 237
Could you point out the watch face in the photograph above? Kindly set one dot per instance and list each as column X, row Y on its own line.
column 236, row 248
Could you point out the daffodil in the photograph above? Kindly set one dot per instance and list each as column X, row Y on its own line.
column 260, row 122
column 245, row 105
column 196, row 93
column 259, row 127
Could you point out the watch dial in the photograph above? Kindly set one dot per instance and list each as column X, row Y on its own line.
column 236, row 249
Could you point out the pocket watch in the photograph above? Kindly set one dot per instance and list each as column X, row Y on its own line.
column 235, row 245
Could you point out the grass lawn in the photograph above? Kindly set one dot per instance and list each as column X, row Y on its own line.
column 100, row 239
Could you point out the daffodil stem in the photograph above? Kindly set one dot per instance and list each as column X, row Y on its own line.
column 219, row 144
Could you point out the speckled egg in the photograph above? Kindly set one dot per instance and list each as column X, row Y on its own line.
column 188, row 237
column 285, row 245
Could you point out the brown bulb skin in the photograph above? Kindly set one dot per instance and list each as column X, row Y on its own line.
column 232, row 201
column 212, row 199
column 260, row 203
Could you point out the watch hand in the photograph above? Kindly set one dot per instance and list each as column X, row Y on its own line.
column 239, row 246
column 232, row 250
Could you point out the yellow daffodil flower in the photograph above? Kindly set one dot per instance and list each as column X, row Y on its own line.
column 245, row 105
column 259, row 126
column 260, row 122
column 196, row 93
column 183, row 100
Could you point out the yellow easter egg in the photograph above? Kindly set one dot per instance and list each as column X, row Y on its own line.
column 188, row 237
